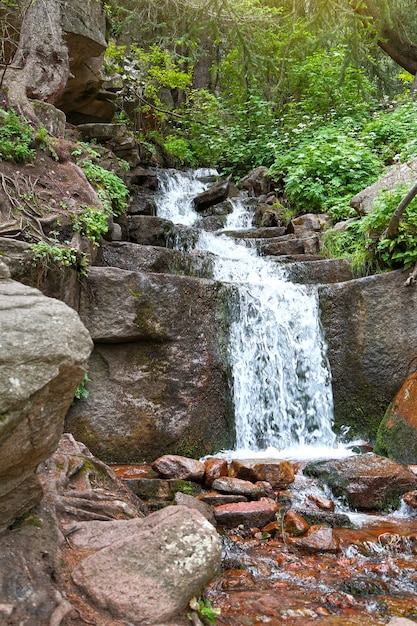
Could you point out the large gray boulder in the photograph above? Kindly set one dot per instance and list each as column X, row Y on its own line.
column 372, row 342
column 44, row 355
column 399, row 174
column 158, row 372
column 150, row 575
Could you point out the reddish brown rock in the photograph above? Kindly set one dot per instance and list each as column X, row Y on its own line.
column 367, row 481
column 216, row 499
column 226, row 484
column 278, row 473
column 215, row 468
column 295, row 524
column 237, row 580
column 397, row 433
column 317, row 539
column 321, row 502
column 410, row 498
column 247, row 514
column 179, row 467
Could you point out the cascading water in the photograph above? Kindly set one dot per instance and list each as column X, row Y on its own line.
column 281, row 380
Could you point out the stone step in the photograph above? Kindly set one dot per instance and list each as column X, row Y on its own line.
column 160, row 488
column 307, row 269
column 216, row 499
column 256, row 233
column 247, row 514
column 287, row 244
column 145, row 258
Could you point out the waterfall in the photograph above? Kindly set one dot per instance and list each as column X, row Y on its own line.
column 281, row 380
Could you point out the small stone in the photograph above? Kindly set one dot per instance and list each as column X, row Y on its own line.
column 295, row 524
column 278, row 473
column 321, row 502
column 246, row 514
column 183, row 499
column 216, row 499
column 317, row 539
column 179, row 467
column 272, row 528
column 215, row 468
column 4, row 271
column 410, row 498
column 237, row 486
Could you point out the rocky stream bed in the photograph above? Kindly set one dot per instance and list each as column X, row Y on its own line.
column 316, row 561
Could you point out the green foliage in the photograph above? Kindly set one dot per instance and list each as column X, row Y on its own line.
column 16, row 137
column 124, row 165
column 83, row 148
column 363, row 243
column 93, row 223
column 110, row 188
column 324, row 168
column 325, row 81
column 205, row 610
column 392, row 132
column 66, row 256
column 81, row 392
column 235, row 139
column 146, row 73
column 45, row 141
column 180, row 149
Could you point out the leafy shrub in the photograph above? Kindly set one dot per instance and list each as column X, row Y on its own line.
column 110, row 188
column 81, row 393
column 324, row 168
column 235, row 138
column 179, row 149
column 46, row 142
column 392, row 133
column 16, row 137
column 59, row 254
column 324, row 82
column 363, row 243
column 93, row 223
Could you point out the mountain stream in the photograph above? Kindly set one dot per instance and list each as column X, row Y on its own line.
column 283, row 408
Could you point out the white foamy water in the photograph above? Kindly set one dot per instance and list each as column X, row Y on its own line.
column 281, row 380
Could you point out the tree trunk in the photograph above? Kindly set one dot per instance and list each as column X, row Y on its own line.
column 392, row 229
column 390, row 40
column 40, row 67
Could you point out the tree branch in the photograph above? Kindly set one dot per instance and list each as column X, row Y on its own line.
column 392, row 229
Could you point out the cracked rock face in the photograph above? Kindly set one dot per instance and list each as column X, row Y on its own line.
column 44, row 353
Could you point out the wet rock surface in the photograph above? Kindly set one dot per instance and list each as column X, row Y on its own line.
column 158, row 373
column 278, row 474
column 396, row 436
column 182, row 468
column 247, row 514
column 367, row 481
